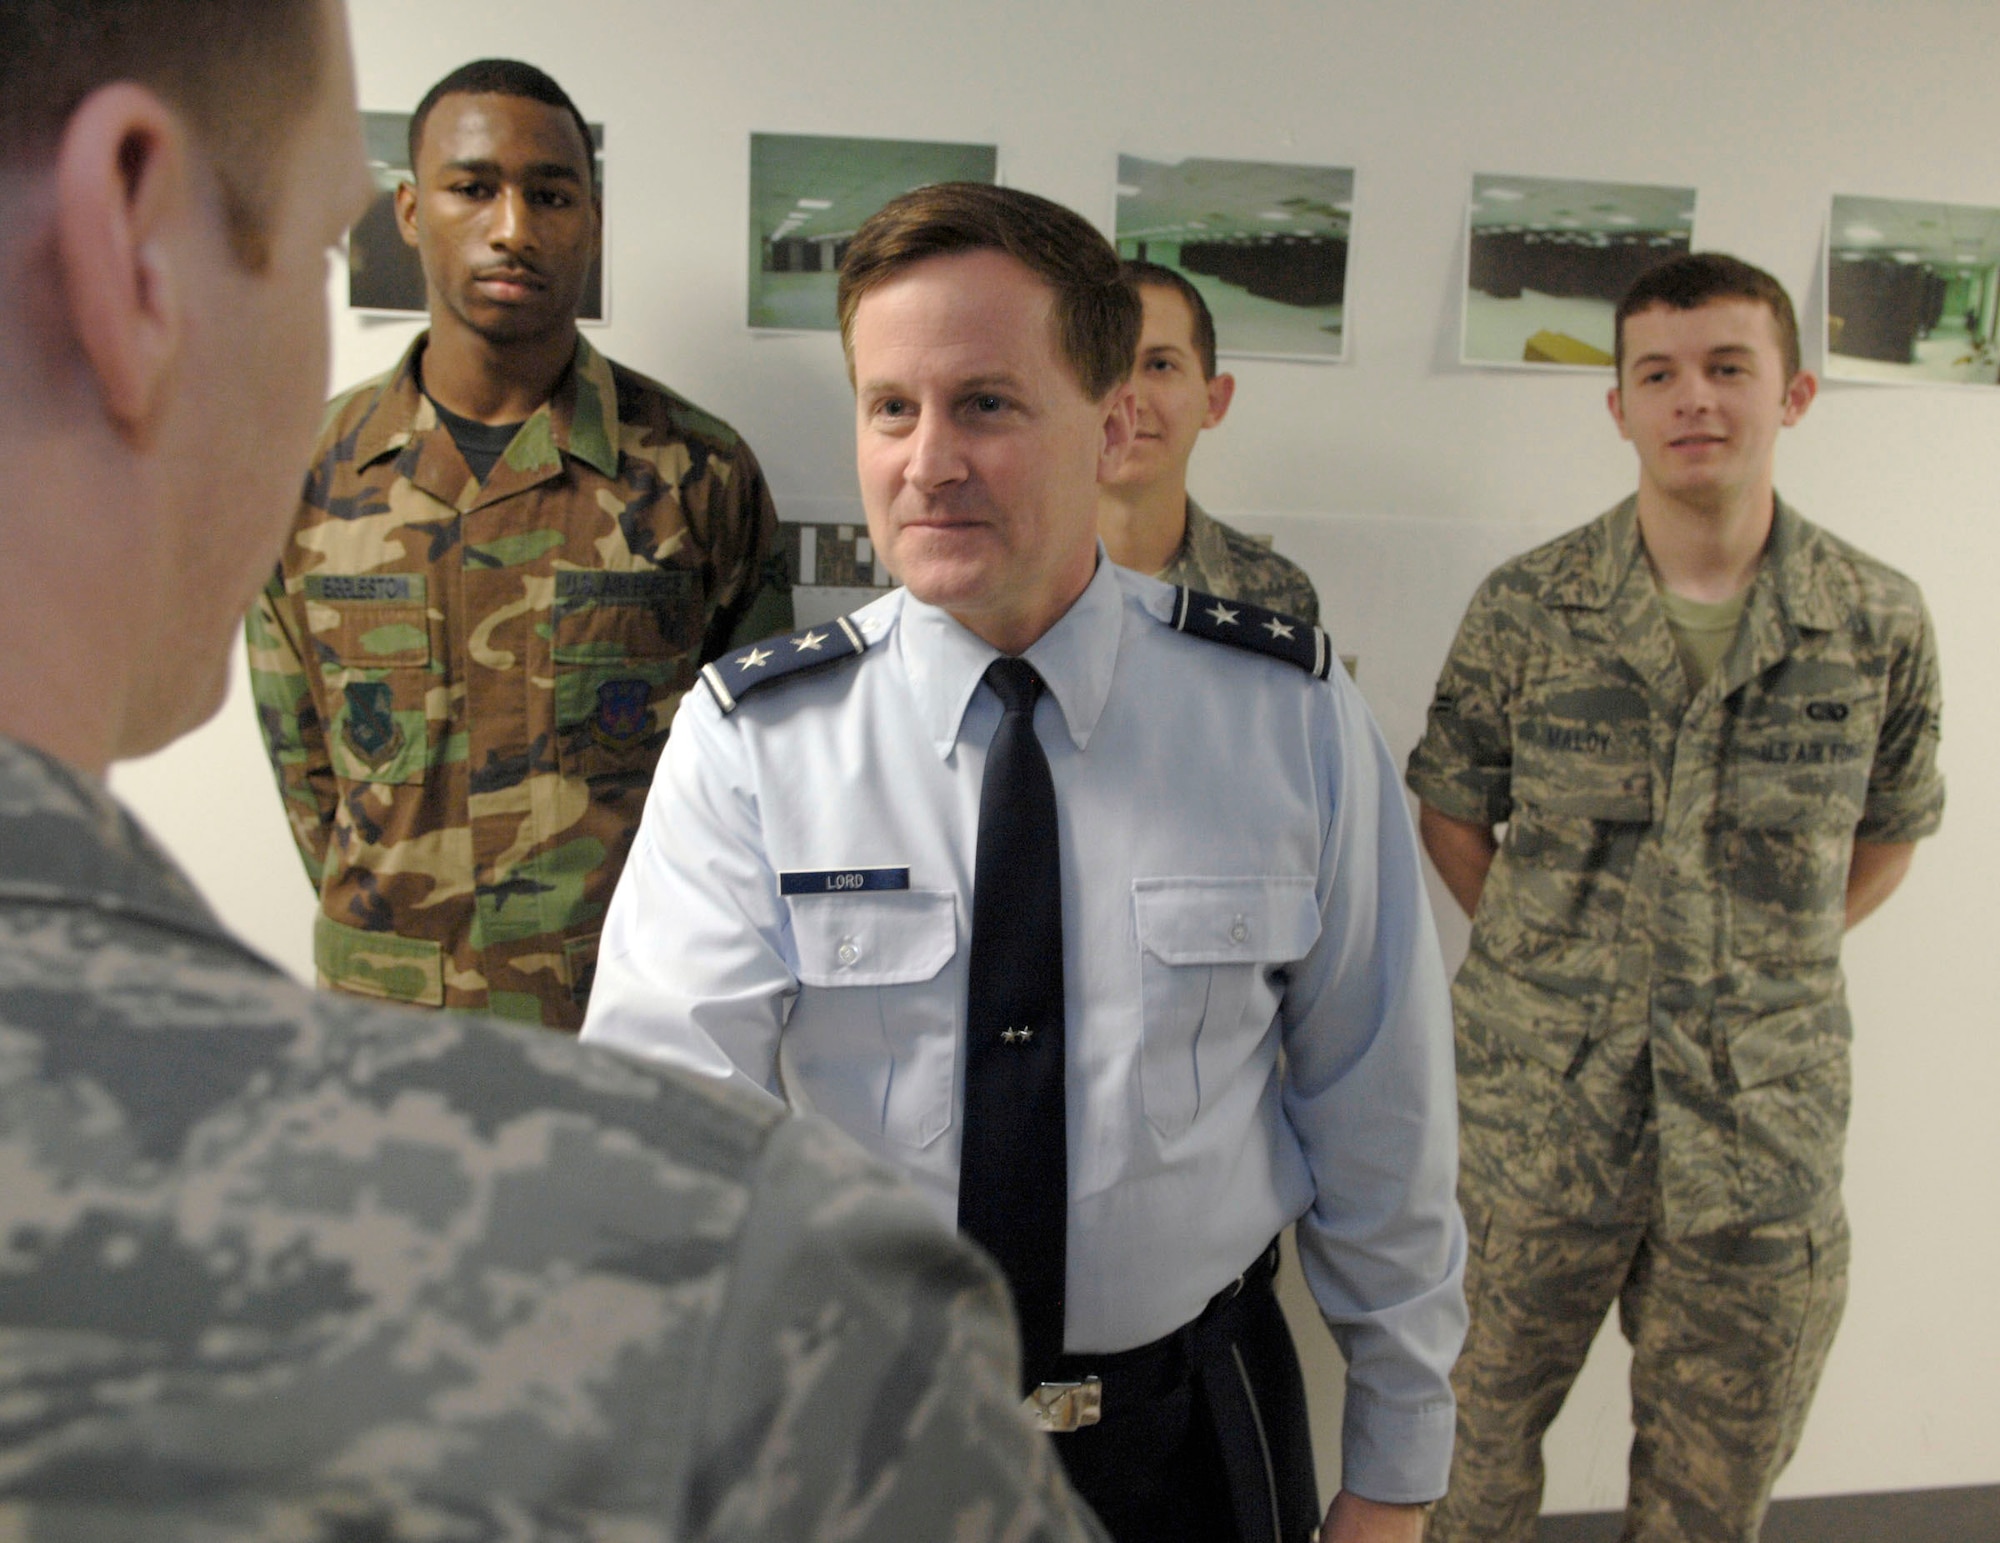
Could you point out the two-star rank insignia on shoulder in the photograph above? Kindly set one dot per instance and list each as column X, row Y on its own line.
column 744, row 670
column 1252, row 627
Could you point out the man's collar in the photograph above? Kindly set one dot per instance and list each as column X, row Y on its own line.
column 1798, row 561
column 1613, row 556
column 589, row 431
column 580, row 419
column 64, row 840
column 944, row 661
column 1610, row 549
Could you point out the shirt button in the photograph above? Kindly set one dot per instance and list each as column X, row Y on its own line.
column 848, row 951
column 1239, row 931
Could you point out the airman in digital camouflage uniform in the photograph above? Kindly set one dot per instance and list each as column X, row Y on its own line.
column 1709, row 729
column 278, row 1266
column 511, row 557
column 1144, row 512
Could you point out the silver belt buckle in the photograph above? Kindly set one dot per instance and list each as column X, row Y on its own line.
column 1064, row 1406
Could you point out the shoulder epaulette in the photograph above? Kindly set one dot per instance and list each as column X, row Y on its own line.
column 1242, row 625
column 735, row 675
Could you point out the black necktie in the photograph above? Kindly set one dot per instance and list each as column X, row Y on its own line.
column 1013, row 1175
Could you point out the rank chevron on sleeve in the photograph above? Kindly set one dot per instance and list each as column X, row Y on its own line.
column 744, row 670
column 1251, row 626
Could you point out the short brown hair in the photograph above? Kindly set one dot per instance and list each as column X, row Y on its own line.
column 1692, row 280
column 1145, row 275
column 1096, row 311
column 242, row 72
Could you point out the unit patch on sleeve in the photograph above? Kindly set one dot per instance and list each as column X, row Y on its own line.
column 1250, row 626
column 744, row 670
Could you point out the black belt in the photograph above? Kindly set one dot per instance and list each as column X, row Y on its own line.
column 1087, row 1387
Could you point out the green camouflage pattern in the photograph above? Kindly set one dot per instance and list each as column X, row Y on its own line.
column 1673, row 871
column 464, row 687
column 287, row 1267
column 1220, row 560
column 1730, row 1332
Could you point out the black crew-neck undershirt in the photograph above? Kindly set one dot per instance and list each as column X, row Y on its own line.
column 482, row 444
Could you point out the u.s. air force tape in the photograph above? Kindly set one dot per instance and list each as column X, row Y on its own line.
column 842, row 881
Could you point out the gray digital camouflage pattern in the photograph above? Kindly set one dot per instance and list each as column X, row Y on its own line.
column 1652, row 1029
column 1218, row 559
column 1675, row 862
column 1730, row 1333
column 297, row 1268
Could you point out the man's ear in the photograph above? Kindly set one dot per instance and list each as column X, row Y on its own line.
column 1799, row 394
column 1615, row 400
column 1221, row 392
column 1121, row 423
column 406, row 211
column 124, row 202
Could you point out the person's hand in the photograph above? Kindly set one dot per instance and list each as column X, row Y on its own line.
column 1351, row 1519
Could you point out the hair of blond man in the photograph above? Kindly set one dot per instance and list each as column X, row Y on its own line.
column 1097, row 314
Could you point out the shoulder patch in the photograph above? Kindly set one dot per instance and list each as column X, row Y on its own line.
column 735, row 675
column 1242, row 625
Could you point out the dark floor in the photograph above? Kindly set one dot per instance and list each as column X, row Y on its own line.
column 1908, row 1516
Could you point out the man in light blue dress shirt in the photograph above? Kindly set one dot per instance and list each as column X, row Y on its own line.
column 1258, row 1028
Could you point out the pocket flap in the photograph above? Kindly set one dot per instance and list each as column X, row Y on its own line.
column 378, row 964
column 1625, row 800
column 874, row 937
column 1225, row 921
column 1773, row 1046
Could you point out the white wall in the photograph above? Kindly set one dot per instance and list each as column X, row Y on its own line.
column 1398, row 477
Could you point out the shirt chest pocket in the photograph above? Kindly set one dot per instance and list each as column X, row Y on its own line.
column 383, row 681
column 1210, row 958
column 1796, row 785
column 1583, row 798
column 875, row 1031
column 1800, row 751
column 625, row 646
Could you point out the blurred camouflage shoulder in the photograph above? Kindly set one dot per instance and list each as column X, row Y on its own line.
column 1218, row 559
column 346, row 409
column 279, row 1265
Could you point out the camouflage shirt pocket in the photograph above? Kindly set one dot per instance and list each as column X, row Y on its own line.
column 1799, row 750
column 1795, row 785
column 625, row 645
column 1572, row 839
column 1544, row 957
column 372, row 636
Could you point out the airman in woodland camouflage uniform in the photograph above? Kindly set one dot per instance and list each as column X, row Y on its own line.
column 277, row 1266
column 1146, row 517
column 465, row 672
column 1653, row 1039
